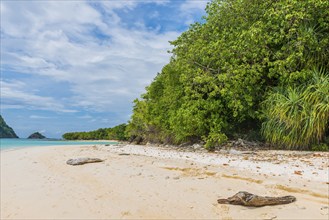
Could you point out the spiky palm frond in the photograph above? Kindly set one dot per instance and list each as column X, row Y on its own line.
column 297, row 117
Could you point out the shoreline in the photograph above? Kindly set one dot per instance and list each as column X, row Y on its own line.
column 137, row 181
column 51, row 142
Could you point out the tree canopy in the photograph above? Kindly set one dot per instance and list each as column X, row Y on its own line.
column 115, row 133
column 223, row 69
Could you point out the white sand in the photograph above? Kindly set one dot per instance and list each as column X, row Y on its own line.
column 36, row 183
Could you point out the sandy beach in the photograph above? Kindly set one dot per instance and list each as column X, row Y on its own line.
column 147, row 182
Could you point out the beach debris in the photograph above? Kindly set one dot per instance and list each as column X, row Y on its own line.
column 248, row 199
column 123, row 154
column 196, row 146
column 235, row 152
column 84, row 160
column 298, row 172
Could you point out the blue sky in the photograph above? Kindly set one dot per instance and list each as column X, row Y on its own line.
column 78, row 65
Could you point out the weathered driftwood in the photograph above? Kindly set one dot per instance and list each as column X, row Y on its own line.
column 80, row 161
column 248, row 199
column 123, row 154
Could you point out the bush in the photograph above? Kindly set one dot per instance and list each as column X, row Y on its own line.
column 320, row 147
column 297, row 117
column 222, row 69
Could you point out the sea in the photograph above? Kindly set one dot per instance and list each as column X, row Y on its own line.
column 12, row 143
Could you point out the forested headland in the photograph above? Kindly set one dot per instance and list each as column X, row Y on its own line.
column 256, row 70
column 253, row 69
column 5, row 130
column 115, row 133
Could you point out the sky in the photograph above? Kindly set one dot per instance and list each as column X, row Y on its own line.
column 78, row 65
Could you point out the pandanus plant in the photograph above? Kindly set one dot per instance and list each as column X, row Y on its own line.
column 297, row 117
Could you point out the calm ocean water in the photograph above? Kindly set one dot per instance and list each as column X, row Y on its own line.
column 19, row 143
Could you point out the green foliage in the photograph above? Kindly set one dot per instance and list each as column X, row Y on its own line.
column 320, row 147
column 214, row 139
column 116, row 133
column 222, row 69
column 36, row 135
column 297, row 117
column 5, row 130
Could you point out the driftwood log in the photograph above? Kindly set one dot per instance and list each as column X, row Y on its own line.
column 248, row 199
column 81, row 161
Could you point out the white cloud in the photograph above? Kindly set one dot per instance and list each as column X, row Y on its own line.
column 49, row 39
column 190, row 7
column 16, row 94
column 64, row 56
column 154, row 14
column 85, row 46
column 85, row 117
column 33, row 17
column 11, row 106
column 39, row 117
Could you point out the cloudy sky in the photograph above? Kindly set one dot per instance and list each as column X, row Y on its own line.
column 78, row 65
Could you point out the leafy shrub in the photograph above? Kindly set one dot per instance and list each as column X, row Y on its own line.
column 320, row 147
column 296, row 117
column 223, row 68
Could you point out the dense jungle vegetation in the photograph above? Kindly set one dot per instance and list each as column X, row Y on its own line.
column 115, row 133
column 5, row 130
column 253, row 69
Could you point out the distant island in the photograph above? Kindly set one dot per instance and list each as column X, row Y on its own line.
column 5, row 130
column 36, row 135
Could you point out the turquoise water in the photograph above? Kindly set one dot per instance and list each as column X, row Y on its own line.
column 20, row 143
